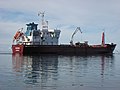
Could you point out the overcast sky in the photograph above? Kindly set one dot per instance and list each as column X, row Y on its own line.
column 93, row 16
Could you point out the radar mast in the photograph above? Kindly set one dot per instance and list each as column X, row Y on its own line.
column 44, row 24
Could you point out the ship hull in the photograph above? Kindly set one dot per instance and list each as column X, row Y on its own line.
column 63, row 49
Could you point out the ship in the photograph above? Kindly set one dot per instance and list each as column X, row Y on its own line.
column 46, row 41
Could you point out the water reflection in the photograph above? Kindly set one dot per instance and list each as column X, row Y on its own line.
column 52, row 71
column 36, row 69
column 17, row 62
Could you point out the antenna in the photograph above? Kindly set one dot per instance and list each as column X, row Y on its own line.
column 42, row 14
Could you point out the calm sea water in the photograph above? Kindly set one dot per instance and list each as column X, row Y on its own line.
column 52, row 72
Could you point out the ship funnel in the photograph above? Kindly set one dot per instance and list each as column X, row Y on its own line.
column 103, row 39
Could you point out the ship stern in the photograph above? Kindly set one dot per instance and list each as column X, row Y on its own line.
column 17, row 49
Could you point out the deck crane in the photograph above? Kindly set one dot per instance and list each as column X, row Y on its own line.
column 77, row 29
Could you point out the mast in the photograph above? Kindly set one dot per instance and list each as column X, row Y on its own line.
column 103, row 39
column 44, row 24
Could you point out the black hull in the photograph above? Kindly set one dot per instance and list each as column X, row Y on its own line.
column 67, row 49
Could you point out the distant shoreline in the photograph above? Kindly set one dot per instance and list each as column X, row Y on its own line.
column 5, row 52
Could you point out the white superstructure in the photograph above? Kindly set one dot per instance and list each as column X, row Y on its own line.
column 42, row 36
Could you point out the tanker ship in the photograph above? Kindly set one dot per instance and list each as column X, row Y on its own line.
column 46, row 41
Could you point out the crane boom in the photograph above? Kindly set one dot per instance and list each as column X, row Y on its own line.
column 77, row 29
